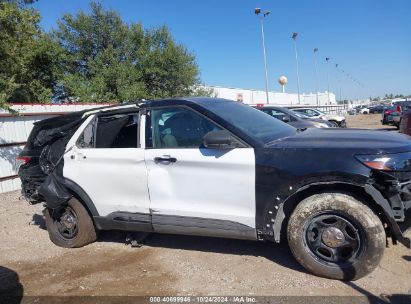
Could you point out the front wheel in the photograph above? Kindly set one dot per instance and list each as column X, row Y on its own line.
column 70, row 227
column 333, row 235
column 334, row 123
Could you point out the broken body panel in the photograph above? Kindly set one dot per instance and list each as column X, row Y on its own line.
column 284, row 172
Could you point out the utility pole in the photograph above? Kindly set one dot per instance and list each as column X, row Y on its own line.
column 328, row 79
column 294, row 37
column 316, row 74
column 257, row 11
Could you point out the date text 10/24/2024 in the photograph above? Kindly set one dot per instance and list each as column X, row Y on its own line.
column 203, row 299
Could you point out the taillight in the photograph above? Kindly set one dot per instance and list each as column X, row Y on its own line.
column 22, row 160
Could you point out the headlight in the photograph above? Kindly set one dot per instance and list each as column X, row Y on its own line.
column 320, row 125
column 387, row 162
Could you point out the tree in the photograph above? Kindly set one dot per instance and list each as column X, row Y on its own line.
column 204, row 91
column 107, row 60
column 29, row 59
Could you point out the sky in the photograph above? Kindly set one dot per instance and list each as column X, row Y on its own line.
column 368, row 39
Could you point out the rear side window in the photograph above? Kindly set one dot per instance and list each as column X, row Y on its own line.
column 112, row 131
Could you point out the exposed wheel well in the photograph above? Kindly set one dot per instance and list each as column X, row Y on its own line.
column 357, row 192
column 76, row 196
column 82, row 197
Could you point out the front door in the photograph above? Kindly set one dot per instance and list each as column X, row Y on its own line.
column 195, row 190
column 104, row 159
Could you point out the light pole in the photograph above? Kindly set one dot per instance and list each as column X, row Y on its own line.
column 328, row 79
column 294, row 37
column 337, row 76
column 316, row 74
column 257, row 11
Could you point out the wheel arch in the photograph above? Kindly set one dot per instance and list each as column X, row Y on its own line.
column 81, row 196
column 334, row 121
column 357, row 191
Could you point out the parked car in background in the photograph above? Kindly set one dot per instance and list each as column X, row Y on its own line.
column 396, row 119
column 365, row 110
column 405, row 122
column 336, row 120
column 403, row 104
column 295, row 119
column 378, row 109
column 387, row 114
column 352, row 111
column 359, row 108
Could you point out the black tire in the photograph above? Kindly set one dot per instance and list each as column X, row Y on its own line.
column 335, row 124
column 349, row 252
column 71, row 227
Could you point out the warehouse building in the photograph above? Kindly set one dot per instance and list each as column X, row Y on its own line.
column 276, row 98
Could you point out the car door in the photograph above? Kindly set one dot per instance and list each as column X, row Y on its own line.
column 104, row 159
column 195, row 190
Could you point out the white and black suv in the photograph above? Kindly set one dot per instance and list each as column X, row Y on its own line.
column 213, row 167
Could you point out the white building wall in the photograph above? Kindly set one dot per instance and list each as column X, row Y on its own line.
column 286, row 99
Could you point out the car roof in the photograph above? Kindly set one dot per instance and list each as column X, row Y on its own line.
column 158, row 103
column 271, row 107
column 55, row 121
column 182, row 101
column 283, row 109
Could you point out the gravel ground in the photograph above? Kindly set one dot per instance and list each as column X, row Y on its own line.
column 370, row 121
column 171, row 265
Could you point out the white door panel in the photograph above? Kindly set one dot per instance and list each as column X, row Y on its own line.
column 115, row 179
column 205, row 183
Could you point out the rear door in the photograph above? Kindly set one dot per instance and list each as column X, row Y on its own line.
column 105, row 160
column 195, row 190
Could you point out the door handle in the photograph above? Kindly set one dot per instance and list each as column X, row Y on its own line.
column 165, row 159
column 78, row 156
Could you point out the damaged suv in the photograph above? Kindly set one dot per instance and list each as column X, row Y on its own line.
column 213, row 167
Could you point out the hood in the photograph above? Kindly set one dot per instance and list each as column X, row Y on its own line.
column 320, row 121
column 333, row 117
column 357, row 140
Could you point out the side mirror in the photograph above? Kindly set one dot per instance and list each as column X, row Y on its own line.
column 220, row 139
column 286, row 118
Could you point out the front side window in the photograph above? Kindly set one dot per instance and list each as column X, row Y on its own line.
column 178, row 127
column 252, row 122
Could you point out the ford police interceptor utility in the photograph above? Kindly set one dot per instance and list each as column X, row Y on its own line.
column 213, row 167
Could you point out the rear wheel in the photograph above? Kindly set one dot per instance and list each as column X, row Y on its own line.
column 333, row 235
column 71, row 226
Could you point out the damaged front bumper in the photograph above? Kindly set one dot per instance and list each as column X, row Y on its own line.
column 392, row 192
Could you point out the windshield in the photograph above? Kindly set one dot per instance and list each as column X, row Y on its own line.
column 254, row 123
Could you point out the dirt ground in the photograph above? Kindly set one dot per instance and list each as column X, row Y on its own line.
column 171, row 265
column 370, row 121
